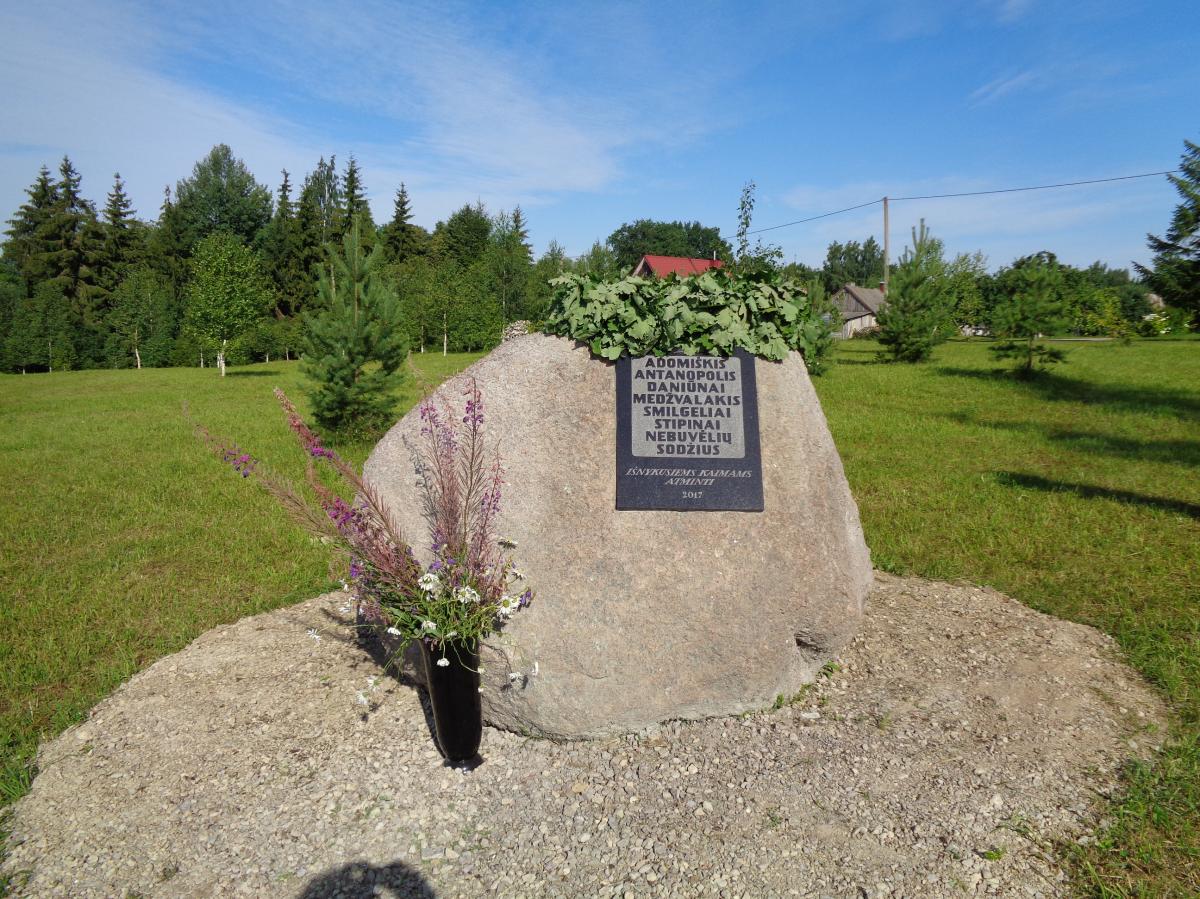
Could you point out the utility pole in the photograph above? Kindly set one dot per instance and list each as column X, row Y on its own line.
column 886, row 246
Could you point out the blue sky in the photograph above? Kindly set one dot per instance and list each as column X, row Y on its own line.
column 590, row 115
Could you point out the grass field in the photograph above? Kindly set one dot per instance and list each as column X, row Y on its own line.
column 123, row 539
column 1076, row 492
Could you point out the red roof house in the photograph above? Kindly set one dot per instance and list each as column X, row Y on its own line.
column 661, row 266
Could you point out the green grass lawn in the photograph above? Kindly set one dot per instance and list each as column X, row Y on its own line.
column 123, row 539
column 1076, row 492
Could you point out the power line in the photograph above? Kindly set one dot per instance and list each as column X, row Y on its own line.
column 823, row 215
column 1013, row 190
column 973, row 193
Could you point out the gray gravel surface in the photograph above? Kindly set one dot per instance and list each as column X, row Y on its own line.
column 960, row 735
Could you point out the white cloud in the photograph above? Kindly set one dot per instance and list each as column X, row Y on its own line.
column 76, row 88
column 1002, row 86
column 416, row 93
column 1011, row 10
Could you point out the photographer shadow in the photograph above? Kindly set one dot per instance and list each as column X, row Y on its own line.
column 359, row 880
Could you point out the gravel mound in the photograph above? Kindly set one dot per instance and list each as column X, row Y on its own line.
column 958, row 736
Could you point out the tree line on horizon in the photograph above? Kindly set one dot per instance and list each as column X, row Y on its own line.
column 82, row 287
column 88, row 288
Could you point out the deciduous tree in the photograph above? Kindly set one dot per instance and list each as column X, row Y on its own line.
column 221, row 196
column 689, row 239
column 852, row 263
column 760, row 257
column 227, row 292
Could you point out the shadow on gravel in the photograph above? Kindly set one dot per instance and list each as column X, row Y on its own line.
column 359, row 879
column 381, row 655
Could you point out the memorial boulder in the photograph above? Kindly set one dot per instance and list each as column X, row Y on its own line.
column 643, row 615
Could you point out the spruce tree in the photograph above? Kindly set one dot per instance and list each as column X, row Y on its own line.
column 74, row 247
column 356, row 343
column 310, row 243
column 41, row 338
column 283, row 255
column 918, row 312
column 1175, row 274
column 25, row 248
column 166, row 249
column 12, row 292
column 520, row 233
column 141, row 316
column 401, row 239
column 119, row 252
column 26, row 348
column 354, row 210
column 509, row 264
column 463, row 238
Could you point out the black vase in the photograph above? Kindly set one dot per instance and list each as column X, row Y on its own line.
column 454, row 694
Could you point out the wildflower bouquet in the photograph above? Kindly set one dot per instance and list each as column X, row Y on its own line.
column 468, row 589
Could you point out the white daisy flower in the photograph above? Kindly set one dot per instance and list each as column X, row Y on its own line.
column 429, row 582
column 394, row 631
column 466, row 595
column 428, row 626
column 443, row 662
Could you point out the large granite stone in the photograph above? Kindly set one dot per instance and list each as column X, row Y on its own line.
column 640, row 617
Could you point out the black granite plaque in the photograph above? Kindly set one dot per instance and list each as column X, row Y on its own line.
column 687, row 433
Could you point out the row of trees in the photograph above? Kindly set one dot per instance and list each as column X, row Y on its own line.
column 930, row 299
column 230, row 271
column 82, row 288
